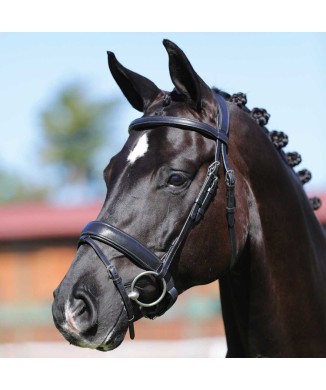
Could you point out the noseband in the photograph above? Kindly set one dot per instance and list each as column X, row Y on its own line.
column 139, row 254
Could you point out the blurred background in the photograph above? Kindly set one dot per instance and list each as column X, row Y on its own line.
column 63, row 118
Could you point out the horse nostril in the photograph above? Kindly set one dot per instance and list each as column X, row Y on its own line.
column 84, row 311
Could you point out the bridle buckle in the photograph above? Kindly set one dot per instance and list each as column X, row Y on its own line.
column 230, row 178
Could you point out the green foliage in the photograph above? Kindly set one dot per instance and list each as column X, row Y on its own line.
column 75, row 127
column 14, row 189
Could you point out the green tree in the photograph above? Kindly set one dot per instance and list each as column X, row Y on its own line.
column 75, row 127
column 14, row 189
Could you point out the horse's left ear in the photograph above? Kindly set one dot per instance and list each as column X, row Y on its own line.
column 185, row 79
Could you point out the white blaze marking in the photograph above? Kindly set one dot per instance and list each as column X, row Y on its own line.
column 139, row 150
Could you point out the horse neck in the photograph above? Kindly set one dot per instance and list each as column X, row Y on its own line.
column 280, row 280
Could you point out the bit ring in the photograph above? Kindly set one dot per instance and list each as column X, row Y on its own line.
column 134, row 294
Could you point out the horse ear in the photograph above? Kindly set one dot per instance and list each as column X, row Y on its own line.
column 139, row 91
column 184, row 77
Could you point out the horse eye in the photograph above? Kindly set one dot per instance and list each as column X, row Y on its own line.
column 176, row 180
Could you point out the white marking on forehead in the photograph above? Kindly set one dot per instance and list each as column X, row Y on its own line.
column 139, row 150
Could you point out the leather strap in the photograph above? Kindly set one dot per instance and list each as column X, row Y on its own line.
column 124, row 243
column 114, row 275
column 197, row 212
column 224, row 115
column 151, row 122
column 136, row 252
column 221, row 150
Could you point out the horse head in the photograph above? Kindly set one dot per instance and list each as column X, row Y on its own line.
column 168, row 222
column 152, row 184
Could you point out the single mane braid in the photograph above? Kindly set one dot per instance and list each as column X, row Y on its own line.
column 279, row 139
column 304, row 176
column 293, row 159
column 315, row 202
column 260, row 115
column 240, row 99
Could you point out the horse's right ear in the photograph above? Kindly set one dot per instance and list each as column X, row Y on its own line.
column 139, row 91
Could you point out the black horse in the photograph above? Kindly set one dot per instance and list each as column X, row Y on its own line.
column 169, row 222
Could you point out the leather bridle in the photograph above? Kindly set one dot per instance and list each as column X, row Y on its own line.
column 139, row 254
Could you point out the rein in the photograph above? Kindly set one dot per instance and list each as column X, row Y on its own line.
column 105, row 233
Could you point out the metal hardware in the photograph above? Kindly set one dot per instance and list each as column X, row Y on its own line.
column 134, row 295
column 134, row 292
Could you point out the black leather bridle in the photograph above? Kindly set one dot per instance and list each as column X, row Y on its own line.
column 139, row 254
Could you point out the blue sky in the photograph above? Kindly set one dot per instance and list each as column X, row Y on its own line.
column 282, row 72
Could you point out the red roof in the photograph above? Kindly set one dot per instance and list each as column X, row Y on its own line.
column 35, row 220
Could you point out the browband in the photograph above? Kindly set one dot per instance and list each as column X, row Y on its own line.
column 206, row 130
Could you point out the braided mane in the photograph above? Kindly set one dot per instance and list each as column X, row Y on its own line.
column 278, row 138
